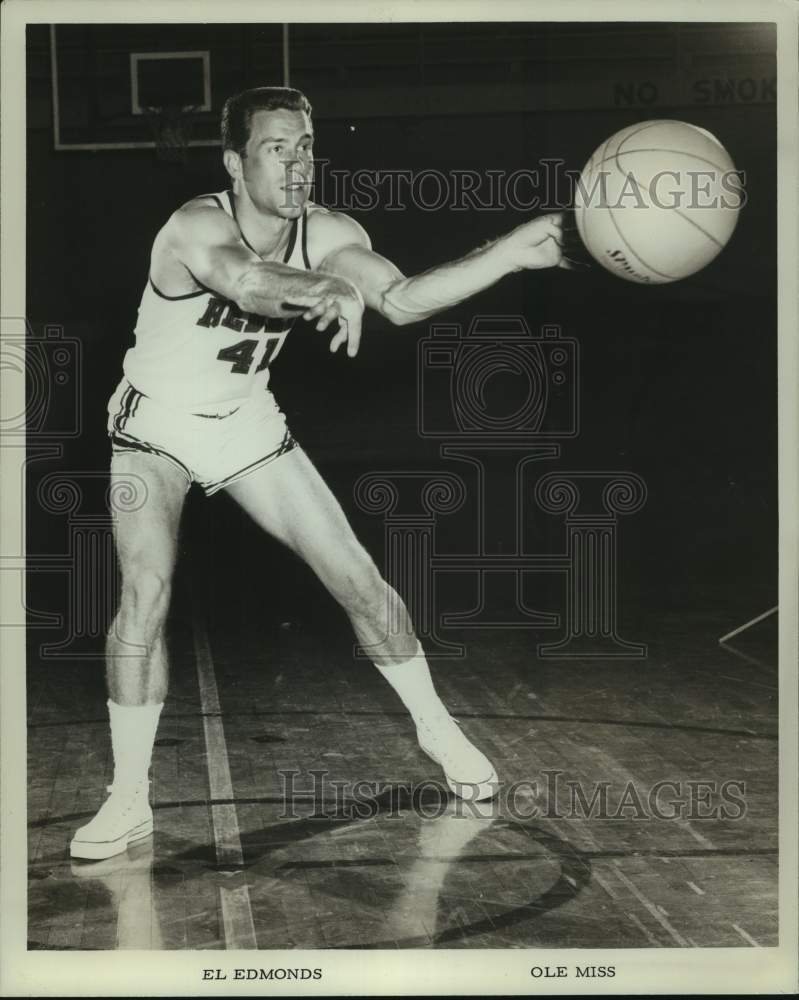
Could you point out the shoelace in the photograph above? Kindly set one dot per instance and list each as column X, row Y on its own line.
column 428, row 727
column 121, row 801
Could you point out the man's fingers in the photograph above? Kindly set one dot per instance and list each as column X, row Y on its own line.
column 330, row 314
column 555, row 226
column 349, row 333
column 353, row 334
column 547, row 227
column 315, row 311
column 300, row 302
column 340, row 338
column 326, row 310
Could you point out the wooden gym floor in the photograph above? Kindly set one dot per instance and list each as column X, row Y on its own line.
column 243, row 858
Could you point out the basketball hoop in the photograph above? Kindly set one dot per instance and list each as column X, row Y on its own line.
column 171, row 126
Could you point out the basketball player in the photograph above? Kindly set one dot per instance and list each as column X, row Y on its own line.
column 229, row 274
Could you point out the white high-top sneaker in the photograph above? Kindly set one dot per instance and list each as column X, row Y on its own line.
column 469, row 773
column 123, row 818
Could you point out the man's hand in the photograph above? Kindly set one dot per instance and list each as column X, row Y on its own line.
column 535, row 244
column 331, row 299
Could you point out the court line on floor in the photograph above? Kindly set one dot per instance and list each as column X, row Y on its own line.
column 235, row 905
column 747, row 937
column 645, row 931
column 652, row 909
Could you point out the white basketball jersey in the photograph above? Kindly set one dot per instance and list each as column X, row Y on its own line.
column 199, row 352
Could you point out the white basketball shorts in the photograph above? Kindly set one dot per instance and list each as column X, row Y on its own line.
column 212, row 449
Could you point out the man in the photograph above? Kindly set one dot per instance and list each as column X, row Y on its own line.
column 229, row 273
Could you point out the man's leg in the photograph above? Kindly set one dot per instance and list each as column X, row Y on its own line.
column 289, row 499
column 145, row 534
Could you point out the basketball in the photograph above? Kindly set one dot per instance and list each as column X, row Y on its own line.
column 658, row 201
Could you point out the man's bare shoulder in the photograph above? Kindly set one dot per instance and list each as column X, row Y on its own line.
column 200, row 219
column 329, row 231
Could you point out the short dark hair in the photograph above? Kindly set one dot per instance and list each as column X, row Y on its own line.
column 239, row 109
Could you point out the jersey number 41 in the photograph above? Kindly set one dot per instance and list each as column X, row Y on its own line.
column 242, row 354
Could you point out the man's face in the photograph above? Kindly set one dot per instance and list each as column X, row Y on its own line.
column 277, row 169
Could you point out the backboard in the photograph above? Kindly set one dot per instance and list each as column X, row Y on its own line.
column 107, row 79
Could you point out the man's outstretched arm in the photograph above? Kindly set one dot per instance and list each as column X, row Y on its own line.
column 401, row 299
column 208, row 244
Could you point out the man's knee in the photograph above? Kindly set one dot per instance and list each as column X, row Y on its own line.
column 357, row 583
column 146, row 592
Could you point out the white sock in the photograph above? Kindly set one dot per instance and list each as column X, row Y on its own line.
column 133, row 730
column 412, row 682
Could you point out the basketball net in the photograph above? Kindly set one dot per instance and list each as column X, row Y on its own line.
column 171, row 126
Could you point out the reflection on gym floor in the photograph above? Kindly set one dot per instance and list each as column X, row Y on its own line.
column 409, row 866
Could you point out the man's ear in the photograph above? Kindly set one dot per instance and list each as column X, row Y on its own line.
column 232, row 162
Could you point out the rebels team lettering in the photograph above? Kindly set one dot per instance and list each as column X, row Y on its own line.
column 223, row 312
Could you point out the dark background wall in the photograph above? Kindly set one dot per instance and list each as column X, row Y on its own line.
column 678, row 381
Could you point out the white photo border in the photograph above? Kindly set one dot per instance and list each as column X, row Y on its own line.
column 478, row 971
